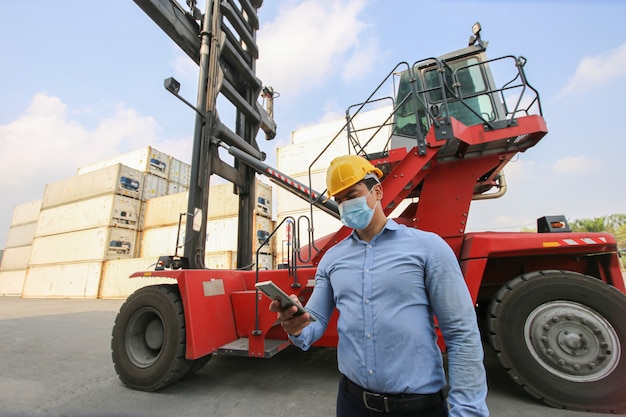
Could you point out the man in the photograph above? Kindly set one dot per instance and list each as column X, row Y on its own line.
column 388, row 282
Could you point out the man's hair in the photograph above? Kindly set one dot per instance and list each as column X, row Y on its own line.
column 370, row 182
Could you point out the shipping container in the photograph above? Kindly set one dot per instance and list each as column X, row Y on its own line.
column 105, row 211
column 12, row 282
column 295, row 158
column 224, row 203
column 14, row 259
column 116, row 282
column 26, row 213
column 98, row 244
column 363, row 125
column 222, row 234
column 228, row 260
column 179, row 173
column 174, row 188
column 154, row 186
column 287, row 202
column 145, row 159
column 321, row 131
column 21, row 235
column 116, row 179
column 161, row 241
column 63, row 280
column 164, row 211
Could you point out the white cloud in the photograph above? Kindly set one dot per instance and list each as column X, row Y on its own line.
column 597, row 70
column 573, row 165
column 362, row 58
column 44, row 145
column 304, row 44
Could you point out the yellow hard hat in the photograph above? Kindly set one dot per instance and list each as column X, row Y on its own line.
column 345, row 171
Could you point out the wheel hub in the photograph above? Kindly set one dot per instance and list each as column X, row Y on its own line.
column 572, row 341
column 145, row 336
column 154, row 334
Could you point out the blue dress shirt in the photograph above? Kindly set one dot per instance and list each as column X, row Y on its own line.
column 387, row 292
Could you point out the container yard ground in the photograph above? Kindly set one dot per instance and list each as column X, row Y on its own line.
column 55, row 361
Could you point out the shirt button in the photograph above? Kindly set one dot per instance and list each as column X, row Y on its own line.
column 367, row 301
column 369, row 335
column 371, row 372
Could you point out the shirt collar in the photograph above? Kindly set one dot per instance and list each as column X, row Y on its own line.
column 390, row 225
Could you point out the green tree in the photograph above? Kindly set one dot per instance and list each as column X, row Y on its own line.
column 588, row 225
column 614, row 224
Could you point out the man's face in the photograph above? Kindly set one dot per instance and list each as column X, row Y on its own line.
column 357, row 190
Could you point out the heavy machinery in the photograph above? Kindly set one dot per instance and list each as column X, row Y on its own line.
column 551, row 303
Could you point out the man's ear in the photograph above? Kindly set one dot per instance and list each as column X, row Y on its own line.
column 378, row 191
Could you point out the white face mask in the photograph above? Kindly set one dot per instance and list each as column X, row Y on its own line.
column 355, row 213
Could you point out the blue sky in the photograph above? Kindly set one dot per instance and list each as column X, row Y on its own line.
column 82, row 82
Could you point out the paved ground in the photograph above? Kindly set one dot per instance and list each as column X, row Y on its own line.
column 55, row 361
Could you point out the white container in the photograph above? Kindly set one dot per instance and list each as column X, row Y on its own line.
column 164, row 211
column 221, row 260
column 26, row 213
column 161, row 241
column 179, row 173
column 21, row 235
column 96, row 244
column 145, row 159
column 222, row 234
column 266, row 260
column 72, row 280
column 228, row 260
column 325, row 131
column 106, row 211
column 12, row 282
column 116, row 179
column 14, row 259
column 116, row 282
column 154, row 186
column 175, row 188
column 307, row 143
column 294, row 160
column 224, row 203
column 286, row 201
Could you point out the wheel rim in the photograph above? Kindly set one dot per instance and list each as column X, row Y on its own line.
column 572, row 341
column 145, row 337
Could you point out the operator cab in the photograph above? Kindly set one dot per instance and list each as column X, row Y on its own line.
column 459, row 85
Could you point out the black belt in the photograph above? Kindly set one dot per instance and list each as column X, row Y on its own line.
column 397, row 403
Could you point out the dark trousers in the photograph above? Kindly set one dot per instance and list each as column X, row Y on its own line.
column 350, row 406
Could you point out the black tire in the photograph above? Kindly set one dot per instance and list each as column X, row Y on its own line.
column 148, row 340
column 561, row 335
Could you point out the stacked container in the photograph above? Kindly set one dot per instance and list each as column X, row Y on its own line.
column 179, row 176
column 161, row 226
column 221, row 244
column 163, row 174
column 18, row 247
column 84, row 221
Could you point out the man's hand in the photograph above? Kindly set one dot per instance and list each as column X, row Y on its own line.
column 291, row 324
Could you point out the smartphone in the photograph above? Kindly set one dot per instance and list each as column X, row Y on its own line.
column 275, row 293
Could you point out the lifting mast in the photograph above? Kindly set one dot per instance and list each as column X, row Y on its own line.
column 223, row 44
